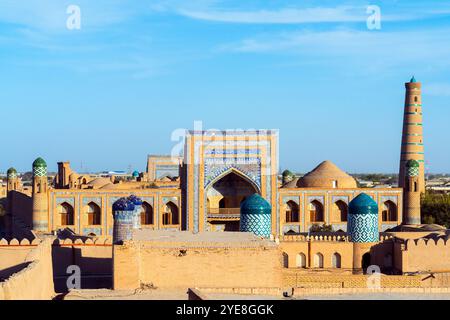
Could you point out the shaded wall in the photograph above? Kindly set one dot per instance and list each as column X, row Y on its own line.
column 94, row 260
column 139, row 263
column 35, row 280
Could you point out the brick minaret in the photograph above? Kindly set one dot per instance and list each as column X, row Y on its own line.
column 412, row 138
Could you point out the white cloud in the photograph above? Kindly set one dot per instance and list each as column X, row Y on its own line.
column 437, row 89
column 367, row 51
column 282, row 16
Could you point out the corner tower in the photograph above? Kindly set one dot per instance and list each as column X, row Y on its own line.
column 40, row 195
column 412, row 136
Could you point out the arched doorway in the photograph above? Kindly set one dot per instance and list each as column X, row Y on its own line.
column 224, row 198
column 365, row 263
column 389, row 211
column 146, row 214
column 170, row 215
column 336, row 260
column 316, row 211
column 66, row 214
column 93, row 214
column 318, row 260
column 292, row 212
column 301, row 260
column 340, row 210
column 285, row 260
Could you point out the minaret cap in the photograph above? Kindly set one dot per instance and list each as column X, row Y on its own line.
column 39, row 162
column 11, row 173
column 413, row 80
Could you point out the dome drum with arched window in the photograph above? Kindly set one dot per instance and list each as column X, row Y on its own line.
column 256, row 216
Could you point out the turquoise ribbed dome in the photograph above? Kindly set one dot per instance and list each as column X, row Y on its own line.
column 363, row 204
column 256, row 204
column 135, row 174
column 39, row 162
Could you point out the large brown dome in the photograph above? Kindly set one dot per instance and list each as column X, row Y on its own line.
column 327, row 175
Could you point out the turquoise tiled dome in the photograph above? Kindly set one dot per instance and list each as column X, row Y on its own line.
column 256, row 216
column 362, row 223
column 363, row 204
column 135, row 174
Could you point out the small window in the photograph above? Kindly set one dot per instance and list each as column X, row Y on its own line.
column 415, row 99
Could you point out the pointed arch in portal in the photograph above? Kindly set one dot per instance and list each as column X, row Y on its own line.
column 237, row 172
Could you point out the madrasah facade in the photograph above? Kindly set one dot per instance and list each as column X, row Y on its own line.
column 203, row 189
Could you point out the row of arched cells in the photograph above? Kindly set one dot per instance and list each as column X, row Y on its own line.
column 317, row 260
column 339, row 211
column 94, row 214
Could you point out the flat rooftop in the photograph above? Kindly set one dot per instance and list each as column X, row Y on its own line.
column 201, row 239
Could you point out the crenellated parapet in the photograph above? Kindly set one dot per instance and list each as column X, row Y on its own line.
column 83, row 242
column 16, row 242
column 302, row 238
column 426, row 244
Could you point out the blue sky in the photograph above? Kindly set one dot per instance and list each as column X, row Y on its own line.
column 112, row 92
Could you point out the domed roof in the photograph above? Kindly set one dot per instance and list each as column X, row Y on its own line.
column 256, row 204
column 135, row 174
column 323, row 176
column 135, row 200
column 98, row 183
column 363, row 204
column 111, row 186
column 412, row 164
column 11, row 171
column 291, row 184
column 39, row 162
column 413, row 80
column 123, row 204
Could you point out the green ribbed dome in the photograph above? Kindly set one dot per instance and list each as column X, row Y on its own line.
column 412, row 164
column 11, row 171
column 39, row 162
column 287, row 173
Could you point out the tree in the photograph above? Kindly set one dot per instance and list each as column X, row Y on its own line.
column 435, row 208
column 321, row 228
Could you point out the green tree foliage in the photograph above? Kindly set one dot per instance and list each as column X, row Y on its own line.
column 436, row 208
